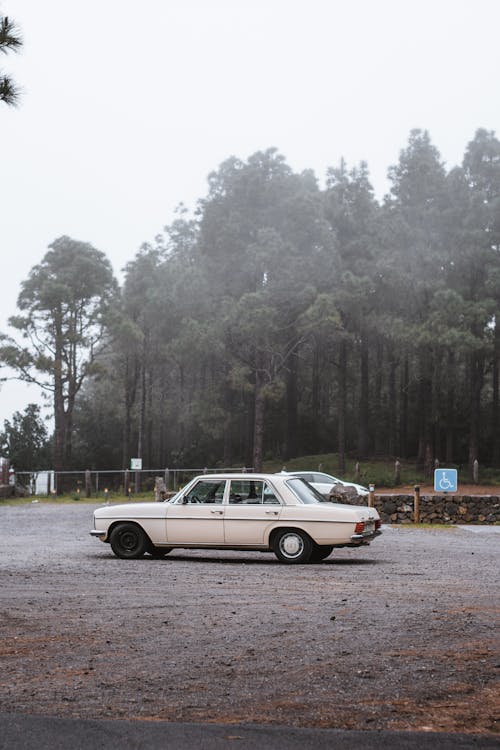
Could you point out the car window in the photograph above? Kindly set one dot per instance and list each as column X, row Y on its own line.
column 206, row 491
column 304, row 492
column 307, row 477
column 323, row 478
column 251, row 492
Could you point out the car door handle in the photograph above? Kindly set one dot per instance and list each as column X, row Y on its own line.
column 219, row 512
column 272, row 512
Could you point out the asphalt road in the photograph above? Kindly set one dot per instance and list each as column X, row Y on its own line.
column 42, row 733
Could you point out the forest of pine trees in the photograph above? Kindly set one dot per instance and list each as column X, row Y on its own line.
column 285, row 318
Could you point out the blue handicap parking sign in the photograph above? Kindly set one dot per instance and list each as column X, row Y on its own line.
column 445, row 480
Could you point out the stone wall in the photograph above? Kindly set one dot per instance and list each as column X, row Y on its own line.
column 439, row 508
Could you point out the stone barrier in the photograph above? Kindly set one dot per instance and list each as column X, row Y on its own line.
column 396, row 508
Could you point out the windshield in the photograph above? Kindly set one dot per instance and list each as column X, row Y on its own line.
column 304, row 492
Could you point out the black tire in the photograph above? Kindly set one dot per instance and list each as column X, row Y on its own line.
column 159, row 552
column 320, row 552
column 128, row 541
column 292, row 546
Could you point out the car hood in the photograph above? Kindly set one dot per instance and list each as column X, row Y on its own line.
column 128, row 510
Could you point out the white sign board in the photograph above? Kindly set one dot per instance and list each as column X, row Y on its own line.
column 136, row 464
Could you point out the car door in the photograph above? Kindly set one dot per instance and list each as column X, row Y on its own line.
column 198, row 517
column 253, row 506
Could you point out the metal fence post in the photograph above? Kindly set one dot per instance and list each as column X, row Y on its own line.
column 88, row 483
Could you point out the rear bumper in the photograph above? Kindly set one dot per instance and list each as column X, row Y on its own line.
column 365, row 537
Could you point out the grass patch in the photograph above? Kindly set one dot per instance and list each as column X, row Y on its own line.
column 432, row 526
column 380, row 472
column 73, row 499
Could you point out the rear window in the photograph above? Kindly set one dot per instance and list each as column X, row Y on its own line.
column 306, row 494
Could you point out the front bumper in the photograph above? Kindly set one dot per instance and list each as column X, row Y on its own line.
column 99, row 534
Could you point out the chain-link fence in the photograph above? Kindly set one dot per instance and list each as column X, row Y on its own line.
column 91, row 483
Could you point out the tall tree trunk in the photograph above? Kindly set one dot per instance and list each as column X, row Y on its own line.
column 379, row 412
column 392, row 406
column 364, row 403
column 450, row 406
column 495, row 416
column 247, row 434
column 258, row 439
column 131, row 374
column 403, row 409
column 142, row 423
column 228, row 422
column 315, row 395
column 342, row 404
column 59, row 415
column 476, row 380
column 291, row 422
column 149, row 420
column 425, row 457
column 258, row 433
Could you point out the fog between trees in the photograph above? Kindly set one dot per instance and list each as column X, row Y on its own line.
column 284, row 319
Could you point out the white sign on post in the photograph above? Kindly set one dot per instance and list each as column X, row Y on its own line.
column 136, row 464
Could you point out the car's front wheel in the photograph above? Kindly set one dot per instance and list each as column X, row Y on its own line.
column 158, row 552
column 292, row 546
column 128, row 541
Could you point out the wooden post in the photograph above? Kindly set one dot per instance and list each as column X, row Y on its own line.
column 126, row 482
column 397, row 473
column 371, row 495
column 416, row 505
column 160, row 489
column 475, row 471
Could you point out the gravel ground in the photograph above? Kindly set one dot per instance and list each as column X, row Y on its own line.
column 399, row 635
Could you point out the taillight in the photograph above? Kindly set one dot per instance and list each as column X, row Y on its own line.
column 359, row 528
column 378, row 523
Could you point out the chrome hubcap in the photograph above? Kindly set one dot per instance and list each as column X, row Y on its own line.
column 291, row 545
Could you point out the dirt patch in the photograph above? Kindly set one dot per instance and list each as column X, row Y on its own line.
column 399, row 635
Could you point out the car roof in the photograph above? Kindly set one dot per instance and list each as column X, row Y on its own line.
column 241, row 475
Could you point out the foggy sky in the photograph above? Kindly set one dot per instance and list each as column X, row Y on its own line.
column 127, row 107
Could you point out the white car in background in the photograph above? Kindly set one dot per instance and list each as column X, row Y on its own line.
column 324, row 483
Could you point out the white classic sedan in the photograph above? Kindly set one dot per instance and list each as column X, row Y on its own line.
column 266, row 512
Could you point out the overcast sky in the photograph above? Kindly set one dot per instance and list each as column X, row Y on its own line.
column 127, row 107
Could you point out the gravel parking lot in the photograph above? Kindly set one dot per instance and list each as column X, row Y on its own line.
column 399, row 635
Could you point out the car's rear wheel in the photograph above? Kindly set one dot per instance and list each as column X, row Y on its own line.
column 292, row 546
column 320, row 552
column 128, row 541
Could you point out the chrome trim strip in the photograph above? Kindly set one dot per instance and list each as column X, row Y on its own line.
column 110, row 519
column 169, row 519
